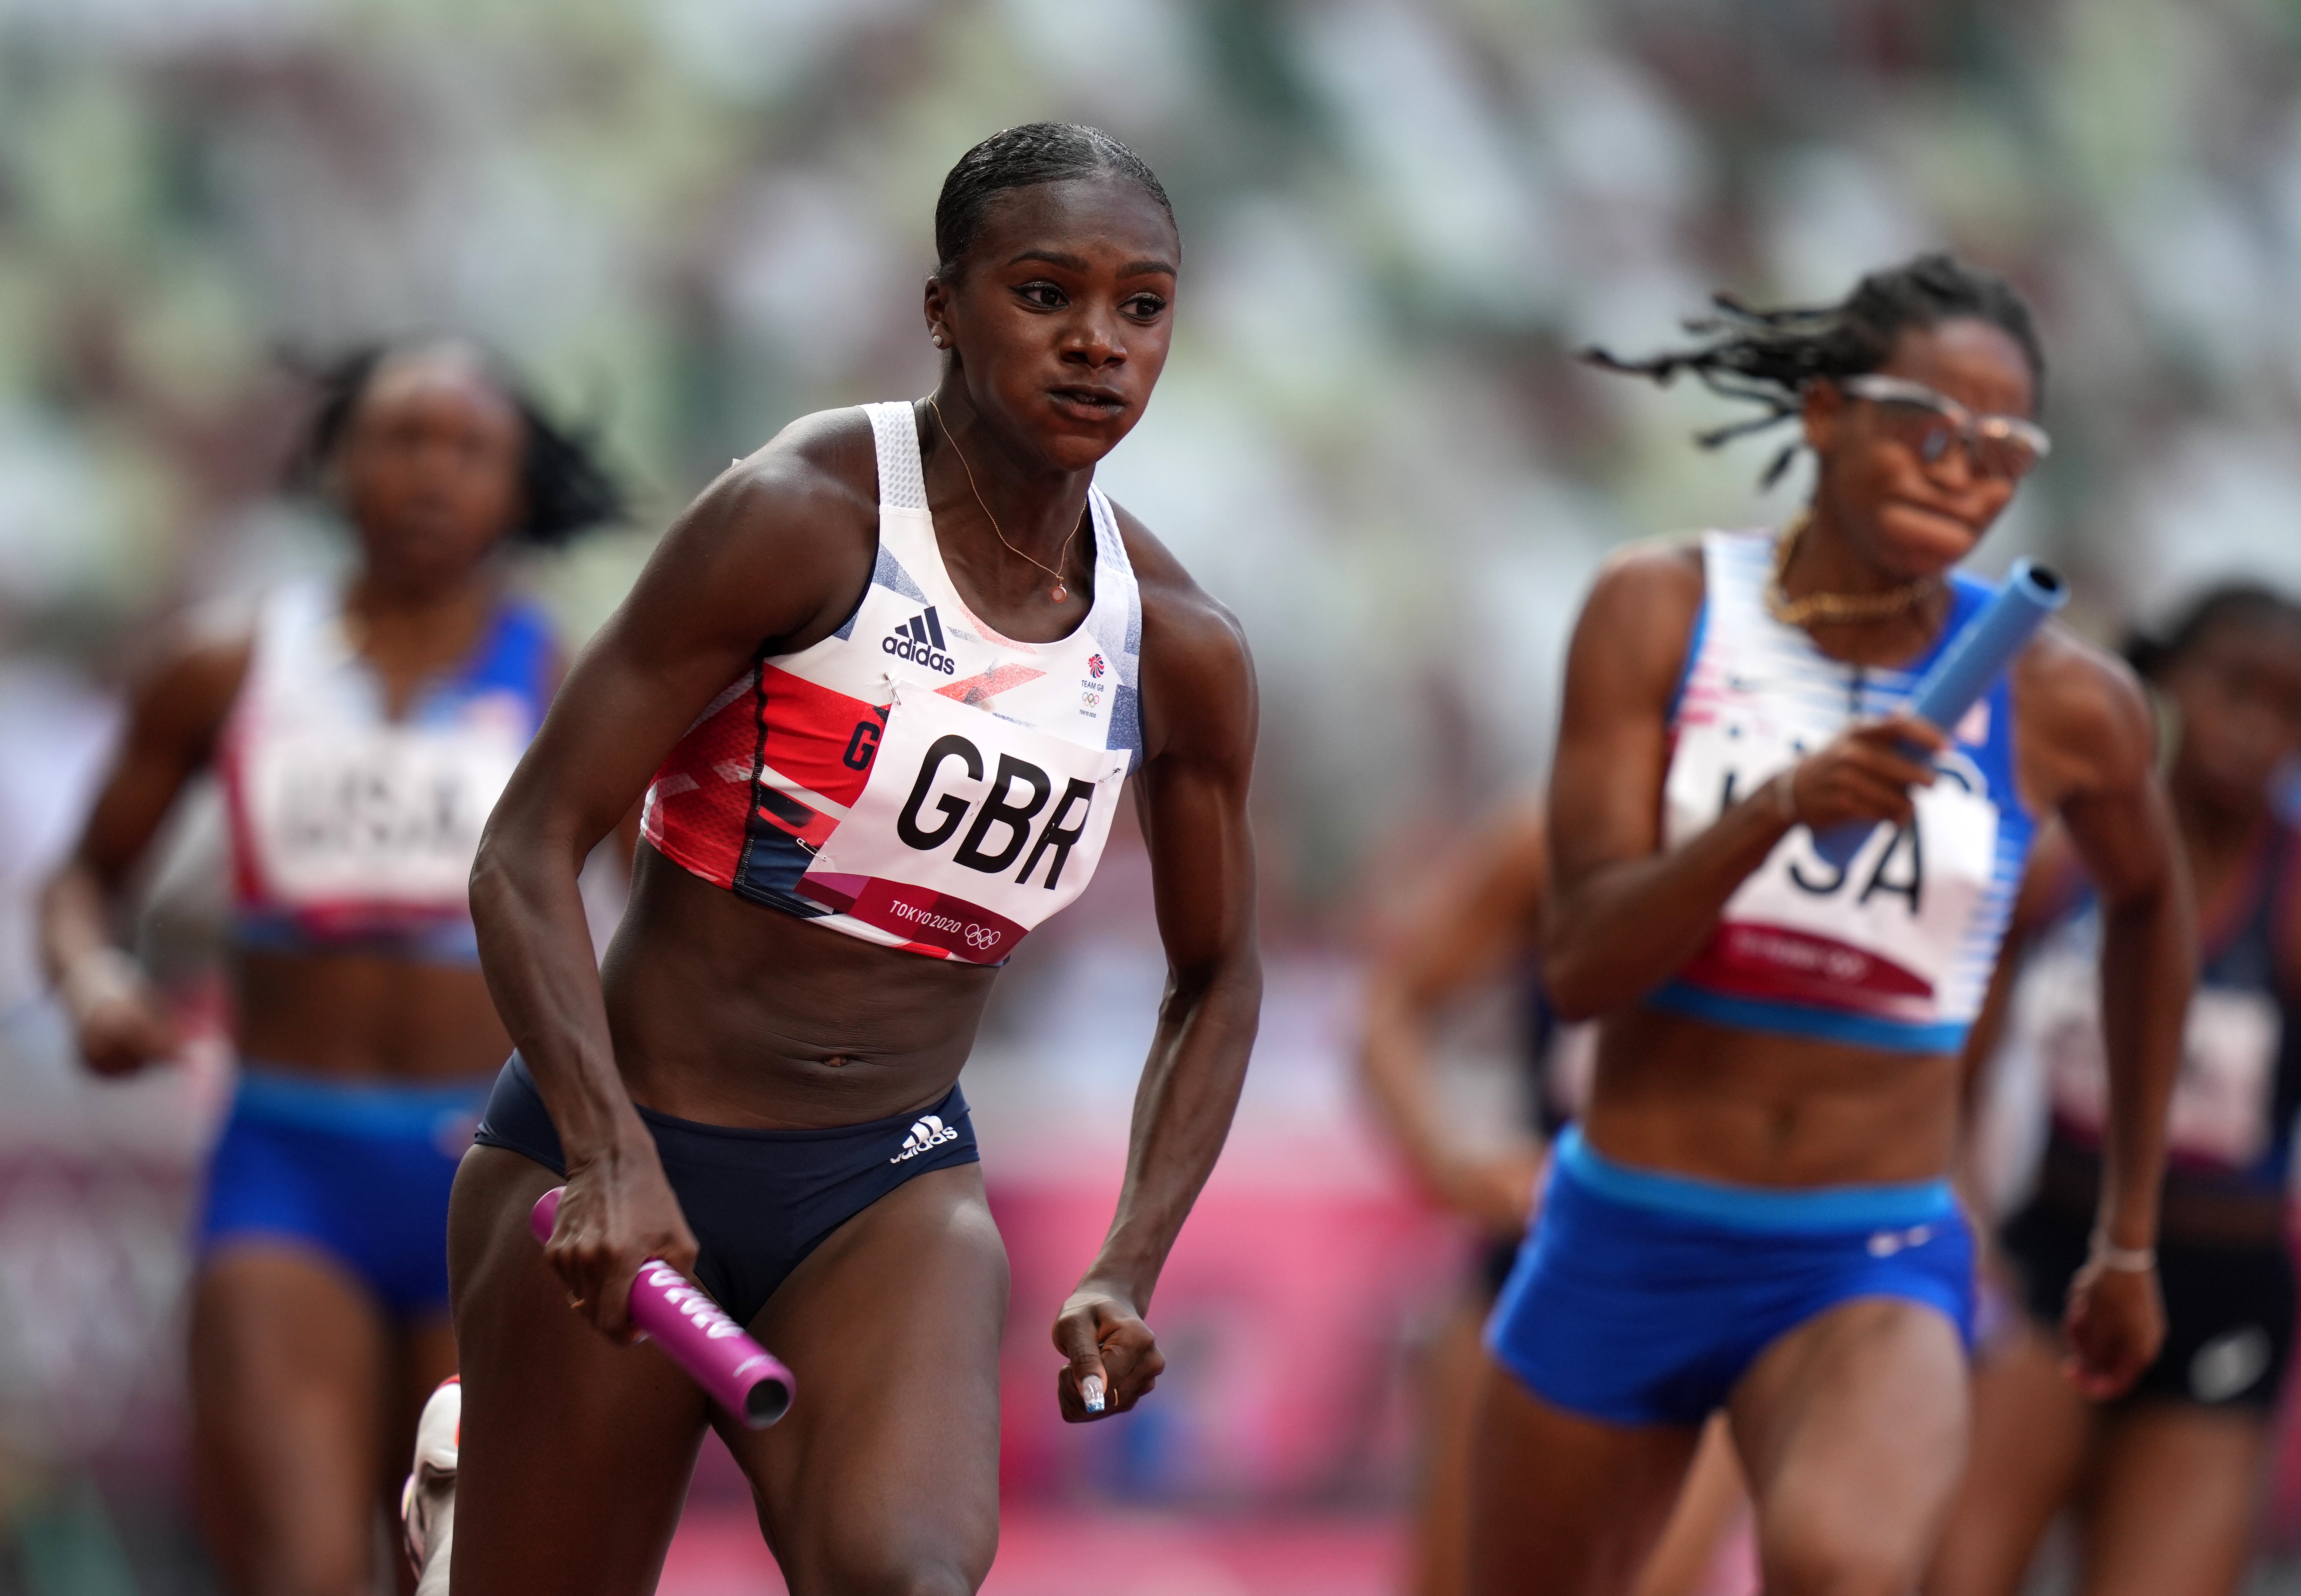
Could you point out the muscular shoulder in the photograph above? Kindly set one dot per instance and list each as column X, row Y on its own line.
column 1198, row 673
column 2083, row 721
column 1638, row 618
column 780, row 543
column 820, row 469
column 189, row 682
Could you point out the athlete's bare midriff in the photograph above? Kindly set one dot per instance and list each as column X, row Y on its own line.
column 1757, row 1109
column 366, row 1015
column 732, row 1013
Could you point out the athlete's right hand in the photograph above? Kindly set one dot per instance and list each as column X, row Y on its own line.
column 116, row 1016
column 1864, row 773
column 617, row 1212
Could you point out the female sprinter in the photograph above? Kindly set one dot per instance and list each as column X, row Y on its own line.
column 887, row 676
column 1754, row 1215
column 2173, row 1469
column 361, row 731
column 1480, row 927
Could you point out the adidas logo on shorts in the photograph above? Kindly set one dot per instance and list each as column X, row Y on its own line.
column 919, row 640
column 928, row 1131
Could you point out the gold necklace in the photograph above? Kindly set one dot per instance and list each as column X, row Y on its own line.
column 1833, row 608
column 1061, row 553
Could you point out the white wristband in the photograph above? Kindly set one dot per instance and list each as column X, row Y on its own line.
column 2126, row 1260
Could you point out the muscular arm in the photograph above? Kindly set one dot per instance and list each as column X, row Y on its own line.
column 174, row 719
column 2118, row 820
column 1624, row 913
column 2097, row 748
column 748, row 565
column 1199, row 715
column 1485, row 913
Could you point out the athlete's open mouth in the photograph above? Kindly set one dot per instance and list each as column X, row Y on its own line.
column 1097, row 401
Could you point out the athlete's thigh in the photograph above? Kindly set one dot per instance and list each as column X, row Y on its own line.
column 885, row 1475
column 2173, row 1504
column 575, row 1453
column 1709, row 1505
column 1853, row 1432
column 2031, row 1429
column 1562, row 1505
column 289, row 1360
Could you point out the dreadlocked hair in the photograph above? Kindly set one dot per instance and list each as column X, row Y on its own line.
column 1766, row 357
column 2153, row 652
column 567, row 490
column 1022, row 158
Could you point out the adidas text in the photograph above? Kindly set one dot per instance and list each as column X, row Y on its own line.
column 919, row 640
column 929, row 1132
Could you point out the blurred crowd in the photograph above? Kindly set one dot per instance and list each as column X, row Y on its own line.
column 691, row 220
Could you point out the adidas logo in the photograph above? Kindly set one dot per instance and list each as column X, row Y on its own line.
column 928, row 1131
column 920, row 640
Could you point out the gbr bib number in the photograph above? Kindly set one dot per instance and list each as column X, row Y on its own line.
column 970, row 831
column 379, row 818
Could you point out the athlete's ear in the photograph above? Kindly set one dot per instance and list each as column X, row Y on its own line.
column 1821, row 409
column 939, row 302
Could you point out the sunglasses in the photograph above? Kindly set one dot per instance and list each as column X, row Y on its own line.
column 2004, row 447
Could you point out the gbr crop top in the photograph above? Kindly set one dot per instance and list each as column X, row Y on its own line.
column 1893, row 950
column 915, row 778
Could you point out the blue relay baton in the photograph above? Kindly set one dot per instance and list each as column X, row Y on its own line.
column 1974, row 659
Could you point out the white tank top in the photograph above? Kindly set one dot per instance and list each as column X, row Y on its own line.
column 917, row 779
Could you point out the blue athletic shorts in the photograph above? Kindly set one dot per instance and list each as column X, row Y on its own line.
column 758, row 1202
column 1641, row 1298
column 358, row 1170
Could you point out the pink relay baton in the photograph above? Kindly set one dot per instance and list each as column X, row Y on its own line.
column 718, row 1354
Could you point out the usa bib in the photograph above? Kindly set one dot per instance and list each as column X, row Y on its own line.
column 1895, row 948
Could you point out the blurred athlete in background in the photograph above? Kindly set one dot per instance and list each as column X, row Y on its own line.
column 2167, row 1479
column 882, row 684
column 363, row 730
column 1480, row 927
column 1754, row 1213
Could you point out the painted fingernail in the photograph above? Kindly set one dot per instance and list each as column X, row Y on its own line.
column 1091, row 1393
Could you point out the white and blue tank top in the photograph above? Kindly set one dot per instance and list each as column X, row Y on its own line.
column 351, row 829
column 1894, row 950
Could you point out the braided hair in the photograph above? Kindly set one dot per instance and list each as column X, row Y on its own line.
column 567, row 490
column 1021, row 158
column 2153, row 652
column 1767, row 357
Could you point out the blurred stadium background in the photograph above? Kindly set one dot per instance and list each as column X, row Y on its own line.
column 692, row 220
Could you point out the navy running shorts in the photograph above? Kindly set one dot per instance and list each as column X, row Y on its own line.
column 2229, row 1311
column 758, row 1202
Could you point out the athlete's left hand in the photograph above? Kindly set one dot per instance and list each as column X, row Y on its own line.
column 2114, row 1326
column 1106, row 1342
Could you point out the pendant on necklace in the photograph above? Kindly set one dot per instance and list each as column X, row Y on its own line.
column 1059, row 591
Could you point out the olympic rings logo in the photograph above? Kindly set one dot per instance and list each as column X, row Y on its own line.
column 982, row 938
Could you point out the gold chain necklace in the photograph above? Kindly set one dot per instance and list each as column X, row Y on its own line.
column 1833, row 608
column 1061, row 553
